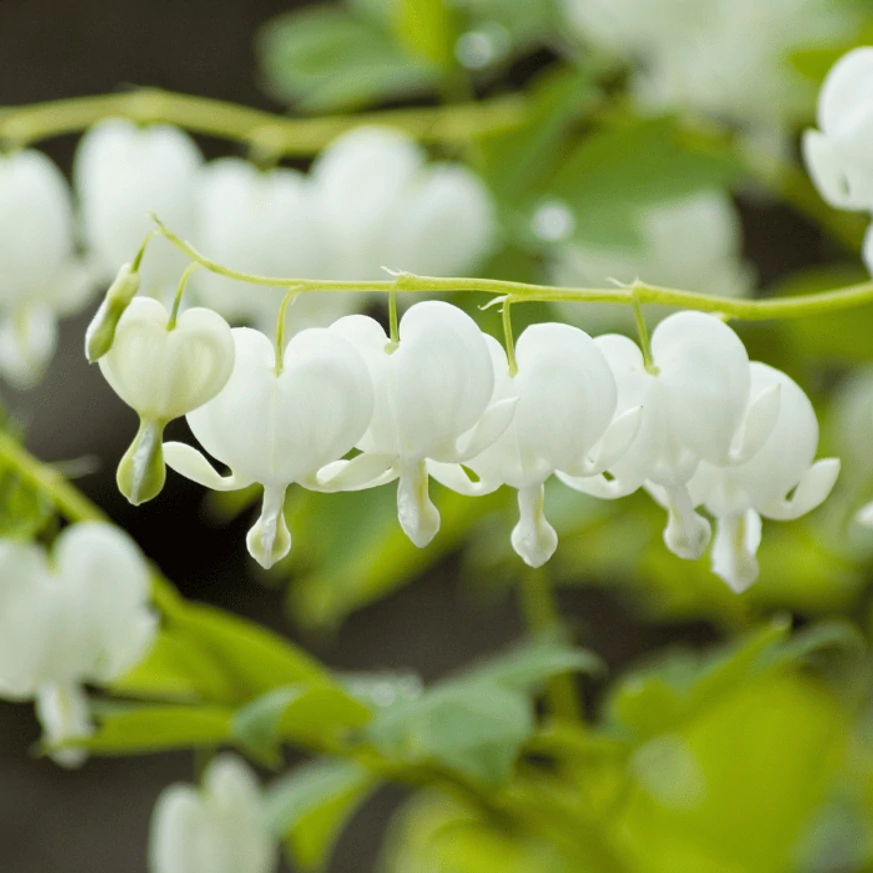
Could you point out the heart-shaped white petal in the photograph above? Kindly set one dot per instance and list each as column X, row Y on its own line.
column 162, row 373
column 276, row 428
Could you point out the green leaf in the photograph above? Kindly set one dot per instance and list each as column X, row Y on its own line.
column 330, row 59
column 517, row 164
column 129, row 730
column 682, row 685
column 474, row 728
column 612, row 174
column 309, row 715
column 311, row 805
column 255, row 660
column 529, row 665
column 427, row 28
column 176, row 668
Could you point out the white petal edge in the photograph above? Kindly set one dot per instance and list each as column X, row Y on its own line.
column 191, row 464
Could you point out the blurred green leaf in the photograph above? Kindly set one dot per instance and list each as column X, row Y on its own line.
column 477, row 723
column 734, row 790
column 427, row 28
column 614, row 173
column 476, row 728
column 129, row 730
column 516, row 164
column 310, row 715
column 311, row 805
column 176, row 668
column 204, row 652
column 529, row 665
column 327, row 58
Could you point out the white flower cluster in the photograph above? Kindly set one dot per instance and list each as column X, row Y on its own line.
column 838, row 155
column 78, row 616
column 729, row 59
column 221, row 828
column 371, row 199
column 699, row 426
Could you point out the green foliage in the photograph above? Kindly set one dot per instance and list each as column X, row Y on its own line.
column 312, row 716
column 477, row 723
column 330, row 58
column 139, row 729
column 311, row 805
column 427, row 28
column 614, row 173
column 219, row 657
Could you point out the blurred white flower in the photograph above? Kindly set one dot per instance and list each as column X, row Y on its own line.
column 433, row 400
column 839, row 156
column 163, row 372
column 727, row 59
column 40, row 276
column 693, row 244
column 122, row 172
column 81, row 616
column 263, row 222
column 380, row 204
column 219, row 829
column 278, row 421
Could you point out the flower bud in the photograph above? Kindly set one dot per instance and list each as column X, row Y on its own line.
column 101, row 331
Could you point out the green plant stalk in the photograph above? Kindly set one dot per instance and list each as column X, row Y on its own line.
column 72, row 504
column 541, row 615
column 267, row 132
column 797, row 306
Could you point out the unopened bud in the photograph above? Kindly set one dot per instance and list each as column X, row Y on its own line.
column 101, row 332
column 141, row 472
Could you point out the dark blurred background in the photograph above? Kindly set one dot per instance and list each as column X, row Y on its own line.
column 96, row 820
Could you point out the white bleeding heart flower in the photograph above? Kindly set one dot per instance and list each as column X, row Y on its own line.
column 379, row 203
column 566, row 399
column 278, row 422
column 80, row 617
column 163, row 371
column 40, row 277
column 695, row 406
column 838, row 155
column 221, row 828
column 781, row 480
column 433, row 400
column 122, row 172
column 262, row 222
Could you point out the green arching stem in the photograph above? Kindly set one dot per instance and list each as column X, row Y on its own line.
column 72, row 504
column 393, row 326
column 508, row 338
column 280, row 328
column 177, row 300
column 797, row 306
column 264, row 131
column 643, row 333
